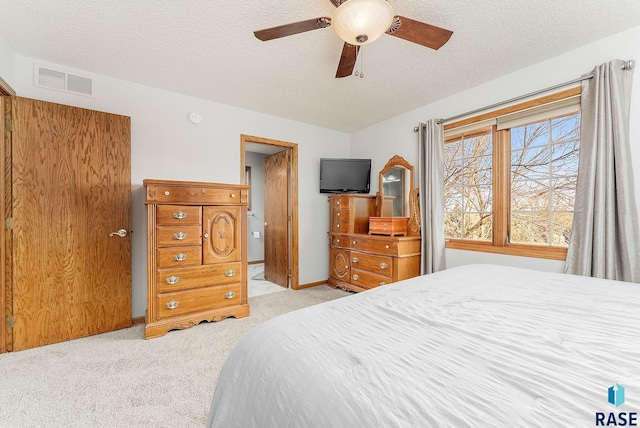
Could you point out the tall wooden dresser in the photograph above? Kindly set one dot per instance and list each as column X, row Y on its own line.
column 359, row 261
column 197, row 254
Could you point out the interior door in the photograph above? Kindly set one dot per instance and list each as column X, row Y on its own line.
column 71, row 250
column 276, row 214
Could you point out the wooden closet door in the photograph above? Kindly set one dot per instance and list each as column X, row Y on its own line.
column 71, row 186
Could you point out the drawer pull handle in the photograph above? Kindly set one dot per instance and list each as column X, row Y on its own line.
column 180, row 257
column 383, row 265
column 179, row 215
column 356, row 277
column 172, row 304
column 172, row 280
column 356, row 260
column 355, row 242
column 383, row 283
column 229, row 295
column 337, row 240
column 166, row 193
column 338, row 225
column 338, row 203
column 233, row 195
column 179, row 236
column 230, row 272
column 386, row 246
column 338, row 214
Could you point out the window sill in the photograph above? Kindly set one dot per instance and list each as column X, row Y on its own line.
column 522, row 250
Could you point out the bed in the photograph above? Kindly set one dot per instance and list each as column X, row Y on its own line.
column 476, row 345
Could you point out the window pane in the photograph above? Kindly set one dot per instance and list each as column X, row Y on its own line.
column 478, row 199
column 563, row 193
column 561, row 228
column 468, row 185
column 565, row 158
column 536, row 134
column 477, row 226
column 532, row 162
column 453, row 224
column 544, row 166
column 530, row 227
column 529, row 195
column 565, row 128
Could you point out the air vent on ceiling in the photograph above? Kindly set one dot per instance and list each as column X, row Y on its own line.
column 67, row 82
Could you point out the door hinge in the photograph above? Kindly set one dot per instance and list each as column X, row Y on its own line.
column 8, row 125
column 10, row 321
column 9, row 223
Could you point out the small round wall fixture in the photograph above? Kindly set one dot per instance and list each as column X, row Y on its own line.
column 195, row 118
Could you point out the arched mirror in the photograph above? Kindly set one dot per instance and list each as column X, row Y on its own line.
column 397, row 195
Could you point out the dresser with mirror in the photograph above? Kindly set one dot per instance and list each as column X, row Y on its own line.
column 375, row 239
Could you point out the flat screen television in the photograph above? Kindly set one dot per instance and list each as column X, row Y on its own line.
column 345, row 175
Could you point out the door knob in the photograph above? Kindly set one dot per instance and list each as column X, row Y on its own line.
column 121, row 233
column 265, row 224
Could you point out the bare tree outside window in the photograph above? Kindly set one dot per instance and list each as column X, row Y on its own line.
column 468, row 181
column 544, row 168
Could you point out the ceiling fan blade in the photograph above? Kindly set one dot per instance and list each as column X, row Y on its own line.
column 293, row 28
column 347, row 60
column 418, row 32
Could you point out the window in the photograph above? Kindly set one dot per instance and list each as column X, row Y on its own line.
column 510, row 179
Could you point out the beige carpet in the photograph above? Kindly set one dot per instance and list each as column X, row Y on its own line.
column 118, row 379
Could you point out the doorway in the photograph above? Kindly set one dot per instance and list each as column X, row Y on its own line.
column 280, row 221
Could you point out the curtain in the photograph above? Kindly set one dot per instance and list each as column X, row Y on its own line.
column 605, row 238
column 431, row 196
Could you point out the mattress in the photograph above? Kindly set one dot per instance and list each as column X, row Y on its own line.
column 477, row 345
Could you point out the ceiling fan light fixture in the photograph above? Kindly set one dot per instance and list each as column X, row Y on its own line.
column 359, row 22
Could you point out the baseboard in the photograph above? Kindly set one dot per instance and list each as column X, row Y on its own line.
column 256, row 262
column 137, row 320
column 311, row 284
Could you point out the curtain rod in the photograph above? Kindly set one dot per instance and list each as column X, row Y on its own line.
column 628, row 65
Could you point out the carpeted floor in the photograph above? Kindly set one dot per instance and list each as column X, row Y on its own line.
column 118, row 379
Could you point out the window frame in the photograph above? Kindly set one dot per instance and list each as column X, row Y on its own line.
column 501, row 194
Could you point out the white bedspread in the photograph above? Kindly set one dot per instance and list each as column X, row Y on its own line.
column 476, row 346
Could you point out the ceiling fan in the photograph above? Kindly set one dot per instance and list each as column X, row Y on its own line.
column 359, row 22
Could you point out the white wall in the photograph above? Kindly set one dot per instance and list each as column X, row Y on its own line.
column 256, row 218
column 396, row 136
column 165, row 145
column 7, row 63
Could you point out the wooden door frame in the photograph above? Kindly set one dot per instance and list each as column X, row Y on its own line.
column 6, row 286
column 5, row 199
column 293, row 181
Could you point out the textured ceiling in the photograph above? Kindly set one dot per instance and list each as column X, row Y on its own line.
column 206, row 48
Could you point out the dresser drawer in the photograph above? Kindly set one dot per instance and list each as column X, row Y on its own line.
column 201, row 195
column 169, row 236
column 340, row 202
column 341, row 241
column 173, row 279
column 179, row 256
column 198, row 300
column 340, row 213
column 178, row 214
column 380, row 265
column 374, row 246
column 366, row 279
column 340, row 226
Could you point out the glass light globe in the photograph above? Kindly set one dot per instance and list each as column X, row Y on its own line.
column 359, row 22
